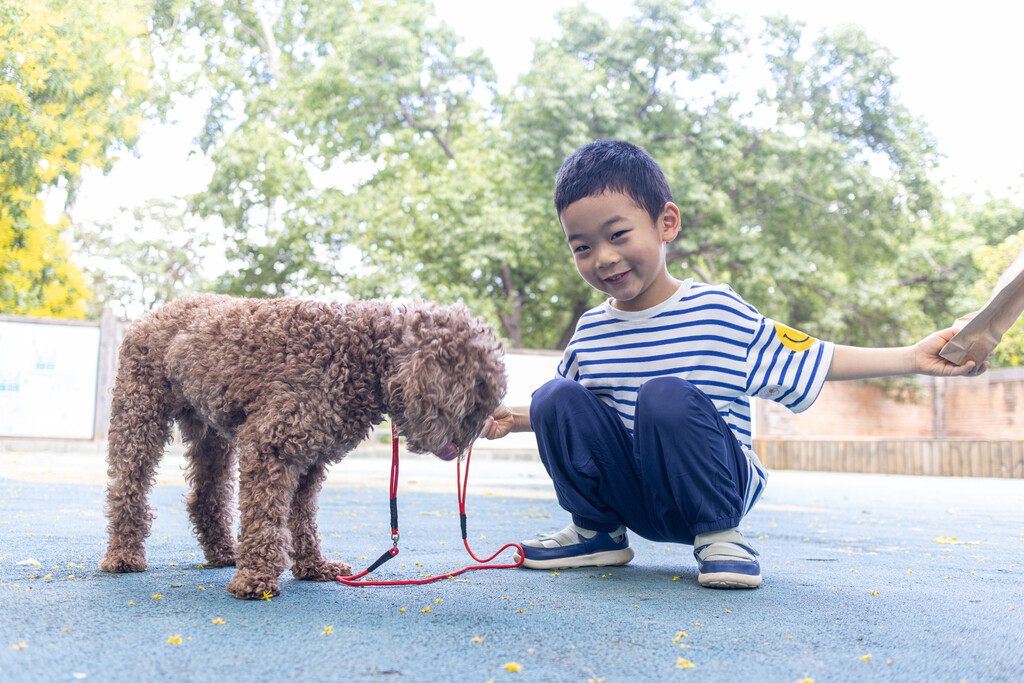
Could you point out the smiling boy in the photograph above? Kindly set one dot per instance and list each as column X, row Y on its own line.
column 647, row 426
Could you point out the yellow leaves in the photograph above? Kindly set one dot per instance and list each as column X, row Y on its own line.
column 478, row 639
column 864, row 658
column 682, row 663
column 952, row 540
column 218, row 620
column 20, row 646
column 157, row 596
column 513, row 667
column 175, row 640
column 327, row 630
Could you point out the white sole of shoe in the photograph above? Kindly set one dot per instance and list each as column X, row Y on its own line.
column 608, row 558
column 729, row 580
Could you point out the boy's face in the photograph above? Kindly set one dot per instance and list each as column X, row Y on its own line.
column 619, row 250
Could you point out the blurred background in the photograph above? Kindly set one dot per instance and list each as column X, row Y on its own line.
column 851, row 169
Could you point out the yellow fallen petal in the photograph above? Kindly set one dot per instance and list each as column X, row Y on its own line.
column 327, row 630
column 865, row 658
column 513, row 666
column 174, row 639
column 684, row 664
column 157, row 596
column 477, row 639
column 218, row 620
column 425, row 609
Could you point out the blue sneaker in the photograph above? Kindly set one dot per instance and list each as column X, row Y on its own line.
column 569, row 548
column 724, row 560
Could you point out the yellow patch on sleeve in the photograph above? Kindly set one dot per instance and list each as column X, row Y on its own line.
column 794, row 340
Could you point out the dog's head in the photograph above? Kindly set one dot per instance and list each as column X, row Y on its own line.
column 447, row 377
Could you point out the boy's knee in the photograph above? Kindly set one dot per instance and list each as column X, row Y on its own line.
column 553, row 394
column 672, row 399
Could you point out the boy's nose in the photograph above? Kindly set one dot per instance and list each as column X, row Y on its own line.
column 606, row 258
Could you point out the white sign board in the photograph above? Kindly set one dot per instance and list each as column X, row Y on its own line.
column 48, row 379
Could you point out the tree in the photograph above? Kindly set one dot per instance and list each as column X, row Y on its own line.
column 72, row 79
column 817, row 206
column 157, row 257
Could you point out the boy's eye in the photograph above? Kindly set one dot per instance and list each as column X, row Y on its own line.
column 618, row 234
column 580, row 249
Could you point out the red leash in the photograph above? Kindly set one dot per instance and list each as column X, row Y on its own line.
column 462, row 483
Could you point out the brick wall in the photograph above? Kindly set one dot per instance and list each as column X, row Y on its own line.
column 987, row 407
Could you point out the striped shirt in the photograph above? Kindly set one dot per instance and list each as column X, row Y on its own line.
column 707, row 335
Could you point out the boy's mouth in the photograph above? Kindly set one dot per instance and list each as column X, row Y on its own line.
column 617, row 279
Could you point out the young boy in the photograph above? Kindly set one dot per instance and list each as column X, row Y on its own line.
column 647, row 426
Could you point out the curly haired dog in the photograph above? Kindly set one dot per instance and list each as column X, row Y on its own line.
column 286, row 387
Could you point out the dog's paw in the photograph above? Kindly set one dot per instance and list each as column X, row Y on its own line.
column 321, row 571
column 121, row 563
column 249, row 586
column 220, row 558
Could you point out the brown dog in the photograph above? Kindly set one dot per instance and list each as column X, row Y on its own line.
column 286, row 387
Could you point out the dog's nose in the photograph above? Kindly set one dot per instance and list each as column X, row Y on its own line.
column 449, row 452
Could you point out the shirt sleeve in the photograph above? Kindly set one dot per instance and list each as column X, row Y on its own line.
column 567, row 367
column 787, row 366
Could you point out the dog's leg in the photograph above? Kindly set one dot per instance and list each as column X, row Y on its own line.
column 139, row 429
column 210, row 503
column 308, row 561
column 266, row 484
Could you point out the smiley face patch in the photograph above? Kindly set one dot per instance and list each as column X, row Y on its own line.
column 794, row 340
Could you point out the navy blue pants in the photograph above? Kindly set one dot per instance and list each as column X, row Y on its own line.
column 680, row 474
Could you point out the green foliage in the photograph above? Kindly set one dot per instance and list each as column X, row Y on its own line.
column 159, row 259
column 360, row 148
column 72, row 76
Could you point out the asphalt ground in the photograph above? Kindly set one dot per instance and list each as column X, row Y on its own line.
column 866, row 577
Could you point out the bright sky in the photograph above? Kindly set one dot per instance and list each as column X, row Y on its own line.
column 956, row 62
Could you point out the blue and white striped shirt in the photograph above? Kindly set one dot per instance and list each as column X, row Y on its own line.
column 707, row 335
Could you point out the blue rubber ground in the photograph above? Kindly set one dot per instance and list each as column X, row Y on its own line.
column 866, row 577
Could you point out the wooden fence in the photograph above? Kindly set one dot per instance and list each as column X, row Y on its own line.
column 939, row 457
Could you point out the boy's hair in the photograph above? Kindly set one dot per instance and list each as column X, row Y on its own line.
column 612, row 166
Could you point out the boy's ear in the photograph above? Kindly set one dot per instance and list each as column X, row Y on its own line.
column 669, row 222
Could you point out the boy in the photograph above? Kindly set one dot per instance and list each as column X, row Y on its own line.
column 647, row 427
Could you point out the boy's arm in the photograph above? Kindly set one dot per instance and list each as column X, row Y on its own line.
column 504, row 420
column 852, row 362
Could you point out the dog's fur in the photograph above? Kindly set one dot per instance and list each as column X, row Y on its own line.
column 286, row 387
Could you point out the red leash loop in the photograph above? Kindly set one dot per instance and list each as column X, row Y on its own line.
column 461, row 484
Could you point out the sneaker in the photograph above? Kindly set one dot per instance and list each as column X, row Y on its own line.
column 571, row 548
column 724, row 560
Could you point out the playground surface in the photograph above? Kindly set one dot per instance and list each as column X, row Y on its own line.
column 866, row 577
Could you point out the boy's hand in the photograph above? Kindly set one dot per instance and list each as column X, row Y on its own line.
column 927, row 360
column 499, row 423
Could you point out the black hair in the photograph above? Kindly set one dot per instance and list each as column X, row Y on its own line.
column 612, row 166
